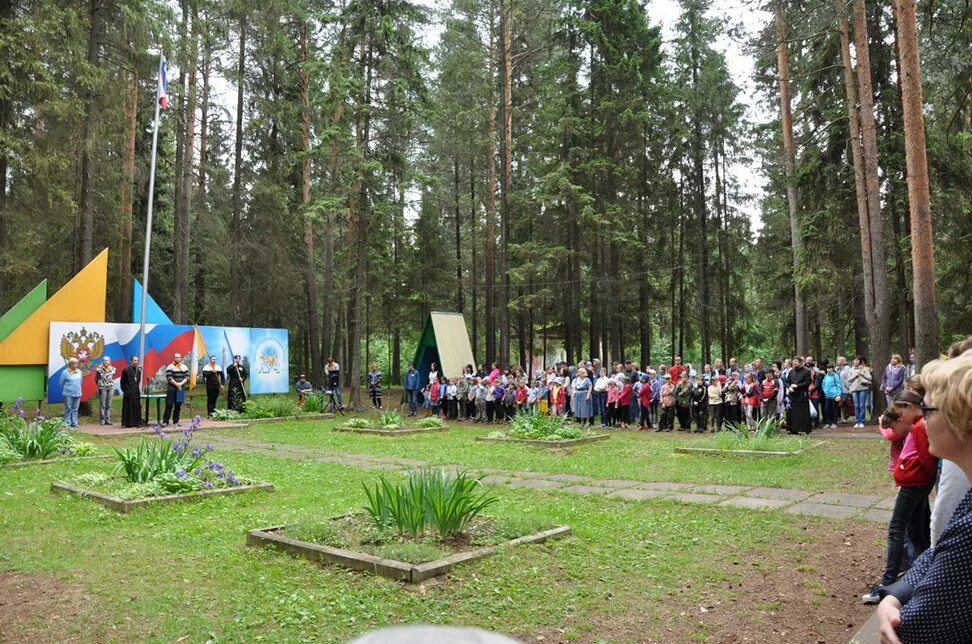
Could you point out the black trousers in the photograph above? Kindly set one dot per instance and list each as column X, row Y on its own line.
column 212, row 395
column 684, row 414
column 645, row 419
column 701, row 416
column 490, row 410
column 667, row 418
column 911, row 515
column 172, row 408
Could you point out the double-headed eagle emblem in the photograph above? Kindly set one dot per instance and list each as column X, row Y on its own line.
column 86, row 347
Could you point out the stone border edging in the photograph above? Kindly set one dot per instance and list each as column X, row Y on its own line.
column 542, row 443
column 391, row 432
column 390, row 568
column 127, row 505
column 47, row 461
column 713, row 451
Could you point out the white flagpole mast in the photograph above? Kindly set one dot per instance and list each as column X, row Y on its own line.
column 148, row 221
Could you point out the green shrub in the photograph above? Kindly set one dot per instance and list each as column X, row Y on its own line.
column 427, row 499
column 413, row 553
column 357, row 423
column 92, row 479
column 431, row 422
column 533, row 426
column 150, row 459
column 36, row 439
column 8, row 454
column 272, row 407
column 226, row 414
column 391, row 420
column 314, row 403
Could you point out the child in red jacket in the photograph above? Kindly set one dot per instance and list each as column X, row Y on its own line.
column 915, row 471
column 624, row 403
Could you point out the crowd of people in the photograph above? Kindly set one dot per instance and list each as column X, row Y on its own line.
column 798, row 391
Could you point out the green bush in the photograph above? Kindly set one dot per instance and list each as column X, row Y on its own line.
column 272, row 407
column 35, row 439
column 427, row 499
column 314, row 403
column 391, row 420
column 150, row 459
column 533, row 426
column 431, row 422
column 357, row 423
column 226, row 414
column 8, row 454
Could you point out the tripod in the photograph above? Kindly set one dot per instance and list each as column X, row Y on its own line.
column 331, row 406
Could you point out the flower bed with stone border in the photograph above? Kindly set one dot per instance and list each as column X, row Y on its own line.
column 127, row 505
column 380, row 431
column 276, row 536
column 547, row 443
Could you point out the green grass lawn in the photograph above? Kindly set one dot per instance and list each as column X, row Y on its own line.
column 847, row 465
column 631, row 568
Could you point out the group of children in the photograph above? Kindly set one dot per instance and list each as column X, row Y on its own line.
column 483, row 400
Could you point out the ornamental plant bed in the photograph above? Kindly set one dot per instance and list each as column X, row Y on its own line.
column 287, row 419
column 415, row 526
column 127, row 505
column 765, row 440
column 546, row 442
column 391, row 423
column 381, row 431
column 160, row 470
column 410, row 561
column 537, row 429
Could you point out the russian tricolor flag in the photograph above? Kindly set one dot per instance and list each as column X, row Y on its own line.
column 163, row 86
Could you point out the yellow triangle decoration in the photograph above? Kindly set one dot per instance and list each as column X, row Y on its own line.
column 82, row 299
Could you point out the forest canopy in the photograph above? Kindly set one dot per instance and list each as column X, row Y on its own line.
column 555, row 169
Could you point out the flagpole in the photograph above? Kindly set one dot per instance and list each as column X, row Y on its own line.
column 148, row 221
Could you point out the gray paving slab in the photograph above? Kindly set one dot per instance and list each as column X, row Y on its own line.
column 588, row 489
column 570, row 478
column 497, row 479
column 690, row 497
column 720, row 489
column 780, row 494
column 640, row 495
column 823, row 510
column 755, row 502
column 617, row 483
column 885, row 504
column 663, row 485
column 877, row 515
column 536, row 484
column 853, row 500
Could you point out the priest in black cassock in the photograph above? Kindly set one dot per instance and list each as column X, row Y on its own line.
column 236, row 375
column 799, row 380
column 131, row 386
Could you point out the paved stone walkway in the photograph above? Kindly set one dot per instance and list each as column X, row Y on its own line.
column 804, row 502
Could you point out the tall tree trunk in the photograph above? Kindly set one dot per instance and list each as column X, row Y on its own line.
column 459, row 295
column 726, row 266
column 236, row 223
column 6, row 117
column 489, row 314
column 124, row 309
column 878, row 323
column 202, row 196
column 720, row 245
column 183, row 239
column 358, row 229
column 919, row 198
column 789, row 166
column 310, row 259
column 474, row 272
column 506, row 186
column 89, row 136
column 698, row 155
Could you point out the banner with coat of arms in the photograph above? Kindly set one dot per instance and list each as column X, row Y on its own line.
column 264, row 352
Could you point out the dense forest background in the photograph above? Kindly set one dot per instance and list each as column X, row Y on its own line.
column 548, row 167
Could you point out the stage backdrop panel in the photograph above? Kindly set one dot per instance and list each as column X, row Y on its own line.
column 263, row 351
column 270, row 361
column 89, row 342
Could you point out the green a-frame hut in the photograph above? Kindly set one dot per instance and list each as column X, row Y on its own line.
column 444, row 341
